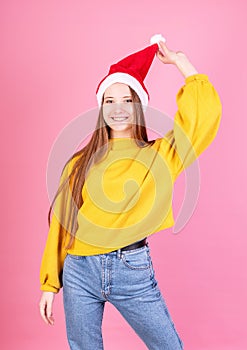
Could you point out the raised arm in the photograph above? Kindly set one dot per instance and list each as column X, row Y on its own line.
column 198, row 116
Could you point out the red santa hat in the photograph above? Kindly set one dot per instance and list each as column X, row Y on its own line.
column 132, row 71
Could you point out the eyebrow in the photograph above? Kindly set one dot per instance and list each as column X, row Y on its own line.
column 113, row 97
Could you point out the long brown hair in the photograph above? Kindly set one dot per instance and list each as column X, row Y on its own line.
column 98, row 143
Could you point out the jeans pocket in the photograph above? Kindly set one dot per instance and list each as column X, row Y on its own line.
column 136, row 260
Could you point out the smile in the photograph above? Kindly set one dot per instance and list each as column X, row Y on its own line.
column 119, row 119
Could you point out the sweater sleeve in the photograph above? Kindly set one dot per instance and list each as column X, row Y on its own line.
column 196, row 123
column 54, row 253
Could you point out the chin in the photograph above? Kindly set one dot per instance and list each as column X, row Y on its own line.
column 120, row 129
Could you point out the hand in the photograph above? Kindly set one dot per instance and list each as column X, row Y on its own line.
column 167, row 56
column 45, row 307
column 179, row 59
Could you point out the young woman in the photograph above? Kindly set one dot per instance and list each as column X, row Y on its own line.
column 119, row 189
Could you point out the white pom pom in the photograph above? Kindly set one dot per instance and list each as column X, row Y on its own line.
column 156, row 38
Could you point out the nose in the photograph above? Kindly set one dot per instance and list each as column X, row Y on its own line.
column 118, row 108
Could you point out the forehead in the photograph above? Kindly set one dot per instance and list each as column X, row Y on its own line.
column 117, row 90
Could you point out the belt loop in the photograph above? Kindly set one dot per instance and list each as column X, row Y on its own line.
column 119, row 253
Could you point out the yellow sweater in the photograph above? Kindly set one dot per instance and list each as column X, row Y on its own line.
column 128, row 195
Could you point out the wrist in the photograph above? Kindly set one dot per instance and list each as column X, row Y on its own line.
column 184, row 65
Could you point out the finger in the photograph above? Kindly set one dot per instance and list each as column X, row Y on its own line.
column 51, row 320
column 43, row 313
column 162, row 57
column 160, row 53
column 49, row 314
column 164, row 47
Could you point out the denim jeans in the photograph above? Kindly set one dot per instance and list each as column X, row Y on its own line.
column 126, row 279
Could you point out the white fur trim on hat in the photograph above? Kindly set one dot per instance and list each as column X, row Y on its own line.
column 156, row 38
column 126, row 79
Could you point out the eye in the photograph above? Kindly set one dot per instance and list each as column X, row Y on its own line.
column 108, row 101
column 129, row 100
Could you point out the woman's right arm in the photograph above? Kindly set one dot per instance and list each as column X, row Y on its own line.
column 51, row 269
column 45, row 307
column 53, row 256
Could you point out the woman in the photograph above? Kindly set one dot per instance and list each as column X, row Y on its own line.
column 97, row 247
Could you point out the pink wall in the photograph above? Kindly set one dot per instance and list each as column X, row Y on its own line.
column 53, row 54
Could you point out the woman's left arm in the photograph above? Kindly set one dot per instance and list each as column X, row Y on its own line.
column 198, row 116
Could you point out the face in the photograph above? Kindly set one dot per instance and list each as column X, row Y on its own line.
column 118, row 109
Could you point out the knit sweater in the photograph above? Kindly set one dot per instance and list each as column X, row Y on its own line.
column 128, row 195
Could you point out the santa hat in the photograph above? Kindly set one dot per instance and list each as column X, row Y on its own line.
column 132, row 71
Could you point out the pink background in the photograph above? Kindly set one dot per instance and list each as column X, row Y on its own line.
column 53, row 55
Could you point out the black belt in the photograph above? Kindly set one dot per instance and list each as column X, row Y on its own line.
column 134, row 245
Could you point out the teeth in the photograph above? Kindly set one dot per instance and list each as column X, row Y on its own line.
column 119, row 118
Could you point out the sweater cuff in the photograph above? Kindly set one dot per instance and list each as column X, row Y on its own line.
column 46, row 288
column 196, row 77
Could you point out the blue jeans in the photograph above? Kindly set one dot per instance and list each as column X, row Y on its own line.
column 126, row 279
